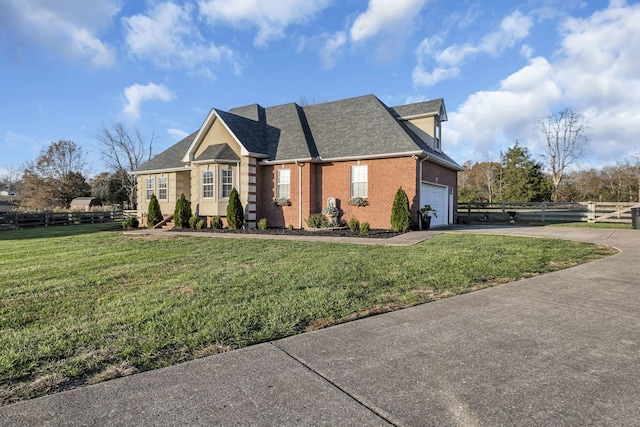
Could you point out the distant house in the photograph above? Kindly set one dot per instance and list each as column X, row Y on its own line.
column 85, row 203
column 287, row 161
column 6, row 206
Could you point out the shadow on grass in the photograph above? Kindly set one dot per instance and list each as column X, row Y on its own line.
column 58, row 231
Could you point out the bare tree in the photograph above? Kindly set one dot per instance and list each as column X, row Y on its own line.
column 123, row 151
column 565, row 135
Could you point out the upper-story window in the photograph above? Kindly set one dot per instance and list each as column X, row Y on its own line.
column 436, row 138
column 226, row 180
column 162, row 188
column 359, row 181
column 149, row 187
column 207, row 184
column 283, row 190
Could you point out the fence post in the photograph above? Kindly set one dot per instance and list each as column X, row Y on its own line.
column 504, row 209
column 591, row 211
column 542, row 210
column 46, row 219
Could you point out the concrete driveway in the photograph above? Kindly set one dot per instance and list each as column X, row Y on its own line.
column 558, row 349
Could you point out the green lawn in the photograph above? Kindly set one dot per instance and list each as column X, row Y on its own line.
column 80, row 305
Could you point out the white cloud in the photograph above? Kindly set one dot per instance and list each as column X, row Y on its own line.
column 332, row 48
column 513, row 29
column 594, row 71
column 167, row 36
column 177, row 134
column 271, row 17
column 385, row 15
column 137, row 94
column 66, row 28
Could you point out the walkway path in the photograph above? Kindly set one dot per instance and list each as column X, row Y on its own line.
column 558, row 349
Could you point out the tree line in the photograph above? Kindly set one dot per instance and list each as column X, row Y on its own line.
column 57, row 176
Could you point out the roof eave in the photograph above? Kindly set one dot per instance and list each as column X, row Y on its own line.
column 373, row 156
column 150, row 171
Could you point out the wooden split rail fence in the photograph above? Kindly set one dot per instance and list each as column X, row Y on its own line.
column 50, row 219
column 547, row 211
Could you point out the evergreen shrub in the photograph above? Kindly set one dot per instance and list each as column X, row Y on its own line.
column 182, row 213
column 154, row 215
column 400, row 212
column 235, row 213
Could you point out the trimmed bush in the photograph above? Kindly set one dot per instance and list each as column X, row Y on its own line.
column 182, row 213
column 400, row 212
column 316, row 220
column 200, row 224
column 154, row 215
column 291, row 227
column 193, row 221
column 364, row 228
column 354, row 224
column 216, row 222
column 131, row 222
column 235, row 213
column 262, row 224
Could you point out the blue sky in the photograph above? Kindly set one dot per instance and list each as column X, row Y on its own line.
column 68, row 67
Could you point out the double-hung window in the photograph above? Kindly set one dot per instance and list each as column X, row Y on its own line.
column 162, row 188
column 437, row 134
column 359, row 181
column 149, row 188
column 226, row 179
column 283, row 190
column 207, row 184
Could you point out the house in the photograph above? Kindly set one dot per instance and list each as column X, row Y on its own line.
column 6, row 206
column 85, row 203
column 287, row 161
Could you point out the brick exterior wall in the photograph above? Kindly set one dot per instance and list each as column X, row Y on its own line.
column 323, row 180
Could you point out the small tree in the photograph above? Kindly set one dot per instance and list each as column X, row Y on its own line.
column 182, row 213
column 235, row 213
column 155, row 215
column 400, row 212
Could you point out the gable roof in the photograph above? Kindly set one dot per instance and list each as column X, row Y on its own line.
column 170, row 159
column 354, row 128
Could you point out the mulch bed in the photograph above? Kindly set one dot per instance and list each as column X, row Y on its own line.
column 333, row 232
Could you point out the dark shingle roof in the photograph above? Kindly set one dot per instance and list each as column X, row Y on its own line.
column 426, row 108
column 171, row 158
column 218, row 152
column 356, row 127
column 349, row 128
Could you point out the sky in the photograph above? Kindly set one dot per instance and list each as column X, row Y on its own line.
column 69, row 68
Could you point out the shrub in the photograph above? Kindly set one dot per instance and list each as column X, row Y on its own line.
column 155, row 215
column 317, row 221
column 262, row 224
column 354, row 224
column 200, row 224
column 182, row 213
column 216, row 222
column 193, row 221
column 291, row 227
column 131, row 222
column 400, row 212
column 235, row 213
column 364, row 228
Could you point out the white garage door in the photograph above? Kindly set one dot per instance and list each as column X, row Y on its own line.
column 438, row 197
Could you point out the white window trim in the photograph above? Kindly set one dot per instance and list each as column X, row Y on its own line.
column 222, row 183
column 351, row 187
column 149, row 189
column 161, row 188
column 206, row 185
column 281, row 184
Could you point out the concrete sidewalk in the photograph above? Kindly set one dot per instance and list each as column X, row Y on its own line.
column 558, row 349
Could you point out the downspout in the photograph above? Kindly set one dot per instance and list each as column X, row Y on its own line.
column 300, row 165
column 420, row 188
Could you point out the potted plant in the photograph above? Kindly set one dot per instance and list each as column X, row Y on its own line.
column 331, row 212
column 426, row 212
column 358, row 201
column 282, row 201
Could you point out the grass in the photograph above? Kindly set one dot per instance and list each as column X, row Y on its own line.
column 80, row 305
column 613, row 225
